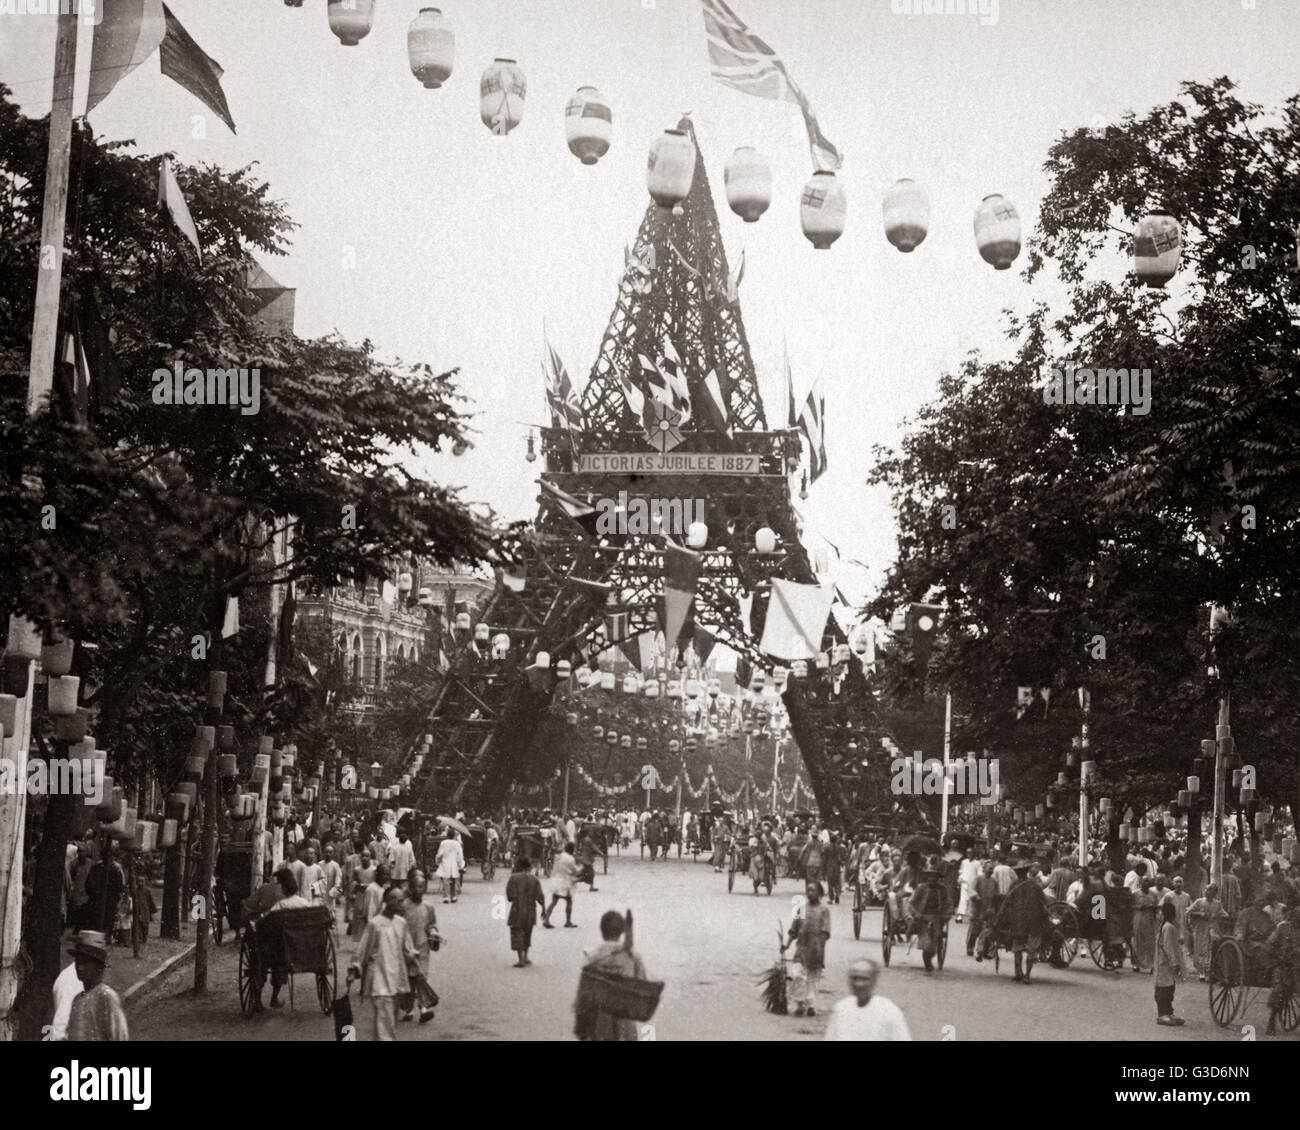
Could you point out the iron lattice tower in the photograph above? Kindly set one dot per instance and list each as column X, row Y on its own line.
column 486, row 721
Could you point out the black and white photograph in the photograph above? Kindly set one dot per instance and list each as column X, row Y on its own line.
column 660, row 521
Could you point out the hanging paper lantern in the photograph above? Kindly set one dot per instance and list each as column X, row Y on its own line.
column 1156, row 248
column 674, row 746
column 630, row 683
column 674, row 689
column 500, row 645
column 714, row 688
column 431, row 47
column 482, row 633
column 625, row 741
column 1193, row 784
column 799, row 668
column 462, row 622
column 501, row 96
column 697, row 535
column 425, row 598
column 584, row 675
column 1259, row 822
column 765, row 540
column 1236, row 778
column 907, row 214
column 748, row 180
column 563, row 669
column 822, row 209
column 24, row 639
column 691, row 744
column 598, row 732
column 997, row 231
column 56, row 658
column 571, row 718
column 841, row 653
column 671, row 169
column 652, row 689
column 693, row 688
column 588, row 125
column 351, row 20
column 611, row 738
column 607, row 680
column 642, row 744
column 1103, row 805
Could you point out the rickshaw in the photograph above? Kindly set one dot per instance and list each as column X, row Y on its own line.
column 1236, row 981
column 527, row 841
column 738, row 860
column 896, row 929
column 863, row 896
column 1059, row 945
column 284, row 943
column 479, row 847
column 603, row 836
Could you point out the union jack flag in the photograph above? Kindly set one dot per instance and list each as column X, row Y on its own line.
column 812, row 424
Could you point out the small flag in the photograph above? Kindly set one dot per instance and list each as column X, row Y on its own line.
column 75, row 356
column 231, row 624
column 733, row 280
column 311, row 667
column 572, row 507
column 796, row 619
column 741, row 60
column 184, row 62
column 715, row 404
column 171, row 198
column 565, row 404
column 811, row 422
column 129, row 32
column 618, row 625
column 703, row 641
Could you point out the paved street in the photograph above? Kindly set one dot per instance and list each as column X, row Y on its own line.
column 710, row 948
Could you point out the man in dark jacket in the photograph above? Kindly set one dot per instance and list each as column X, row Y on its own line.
column 1024, row 915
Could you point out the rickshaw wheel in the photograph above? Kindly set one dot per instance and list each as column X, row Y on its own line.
column 325, row 981
column 1097, row 951
column 886, row 935
column 943, row 943
column 1066, row 920
column 218, row 914
column 250, row 981
column 1226, row 982
column 857, row 911
column 1289, row 1014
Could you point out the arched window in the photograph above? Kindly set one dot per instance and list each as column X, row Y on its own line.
column 356, row 659
column 381, row 654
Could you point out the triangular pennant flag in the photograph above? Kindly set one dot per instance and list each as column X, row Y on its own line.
column 676, row 607
column 596, row 591
column 746, row 603
column 230, row 626
column 128, row 32
column 184, row 62
column 681, row 567
column 311, row 667
column 703, row 642
column 796, row 619
column 584, row 515
column 733, row 282
column 171, row 198
column 715, row 404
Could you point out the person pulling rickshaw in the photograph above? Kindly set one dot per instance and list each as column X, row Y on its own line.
column 763, row 848
column 930, row 910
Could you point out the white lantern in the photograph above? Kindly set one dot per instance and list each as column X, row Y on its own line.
column 351, row 20
column 56, row 658
column 1156, row 248
column 697, row 535
column 607, row 680
column 462, row 622
column 431, row 47
column 1193, row 784
column 482, row 632
column 630, row 684
column 588, row 125
column 584, row 675
column 907, row 214
column 563, row 669
column 63, row 694
column 404, row 582
column 671, row 169
column 693, row 688
column 625, row 741
column 748, row 179
column 714, row 687
column 24, row 639
column 500, row 645
column 822, row 209
column 542, row 660
column 425, row 598
column 765, row 540
column 674, row 689
column 652, row 689
column 997, row 231
column 501, row 96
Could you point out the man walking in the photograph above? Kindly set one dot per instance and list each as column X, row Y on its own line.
column 1024, row 915
column 97, row 1010
column 809, row 932
column 865, row 1015
column 402, row 858
column 381, row 962
column 616, row 956
column 524, row 892
column 564, row 874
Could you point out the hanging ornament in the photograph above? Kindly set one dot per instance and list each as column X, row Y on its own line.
column 588, row 125
column 671, row 168
column 351, row 20
column 748, row 180
column 1156, row 248
column 907, row 214
column 822, row 209
column 431, row 47
column 997, row 231
column 531, row 455
column 502, row 91
column 765, row 540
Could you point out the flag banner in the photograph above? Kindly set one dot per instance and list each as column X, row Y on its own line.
column 744, row 673
column 284, row 631
column 811, row 424
column 703, row 642
column 618, row 624
column 74, row 355
column 105, row 378
column 796, row 619
column 172, row 199
column 561, row 395
column 129, row 32
column 573, row 507
column 681, row 568
column 742, row 61
column 746, row 604
column 715, row 405
column 230, row 626
column 596, row 591
column 734, row 280
column 639, row 650
column 184, row 62
column 674, row 611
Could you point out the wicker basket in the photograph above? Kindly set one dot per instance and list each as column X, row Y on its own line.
column 624, row 997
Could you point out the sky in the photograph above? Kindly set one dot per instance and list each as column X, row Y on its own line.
column 420, row 230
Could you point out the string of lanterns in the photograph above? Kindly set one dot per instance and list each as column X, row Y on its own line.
column 747, row 176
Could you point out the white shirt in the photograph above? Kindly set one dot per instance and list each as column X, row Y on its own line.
column 1005, row 878
column 1072, row 893
column 879, row 1019
column 66, row 987
column 402, row 860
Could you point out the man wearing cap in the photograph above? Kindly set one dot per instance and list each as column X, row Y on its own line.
column 931, row 907
column 96, row 1013
column 866, row 1015
column 381, row 963
column 1024, row 914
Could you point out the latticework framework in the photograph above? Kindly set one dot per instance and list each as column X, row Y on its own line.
column 486, row 731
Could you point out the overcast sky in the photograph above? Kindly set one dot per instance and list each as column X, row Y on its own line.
column 465, row 243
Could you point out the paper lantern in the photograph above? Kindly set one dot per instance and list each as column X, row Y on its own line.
column 351, row 20
column 1103, row 805
column 1125, row 831
column 907, row 214
column 1193, row 784
column 425, row 598
column 612, row 738
column 24, row 639
column 542, row 660
column 571, row 718
column 588, row 125
column 671, row 168
column 714, row 688
column 482, row 632
column 1039, row 811
column 502, row 91
column 63, row 694
column 822, row 209
column 997, row 231
column 598, row 732
column 1236, row 778
column 625, row 741
column 691, row 744
column 630, row 684
column 697, row 535
column 823, row 661
column 462, row 622
column 748, row 180
column 799, row 668
column 216, row 689
column 563, row 669
column 1061, row 779
column 765, row 540
column 404, row 582
column 1259, row 821
column 674, row 689
column 227, row 765
column 500, row 645
column 693, row 688
column 56, row 658
column 1247, row 795
column 1156, row 248
column 607, row 680
column 642, row 744
column 652, row 689
column 674, row 746
column 1184, row 798
column 431, row 49
column 167, row 835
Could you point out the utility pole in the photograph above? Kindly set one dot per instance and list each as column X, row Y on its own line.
column 1222, row 752
column 40, row 380
column 1085, row 703
column 947, row 748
